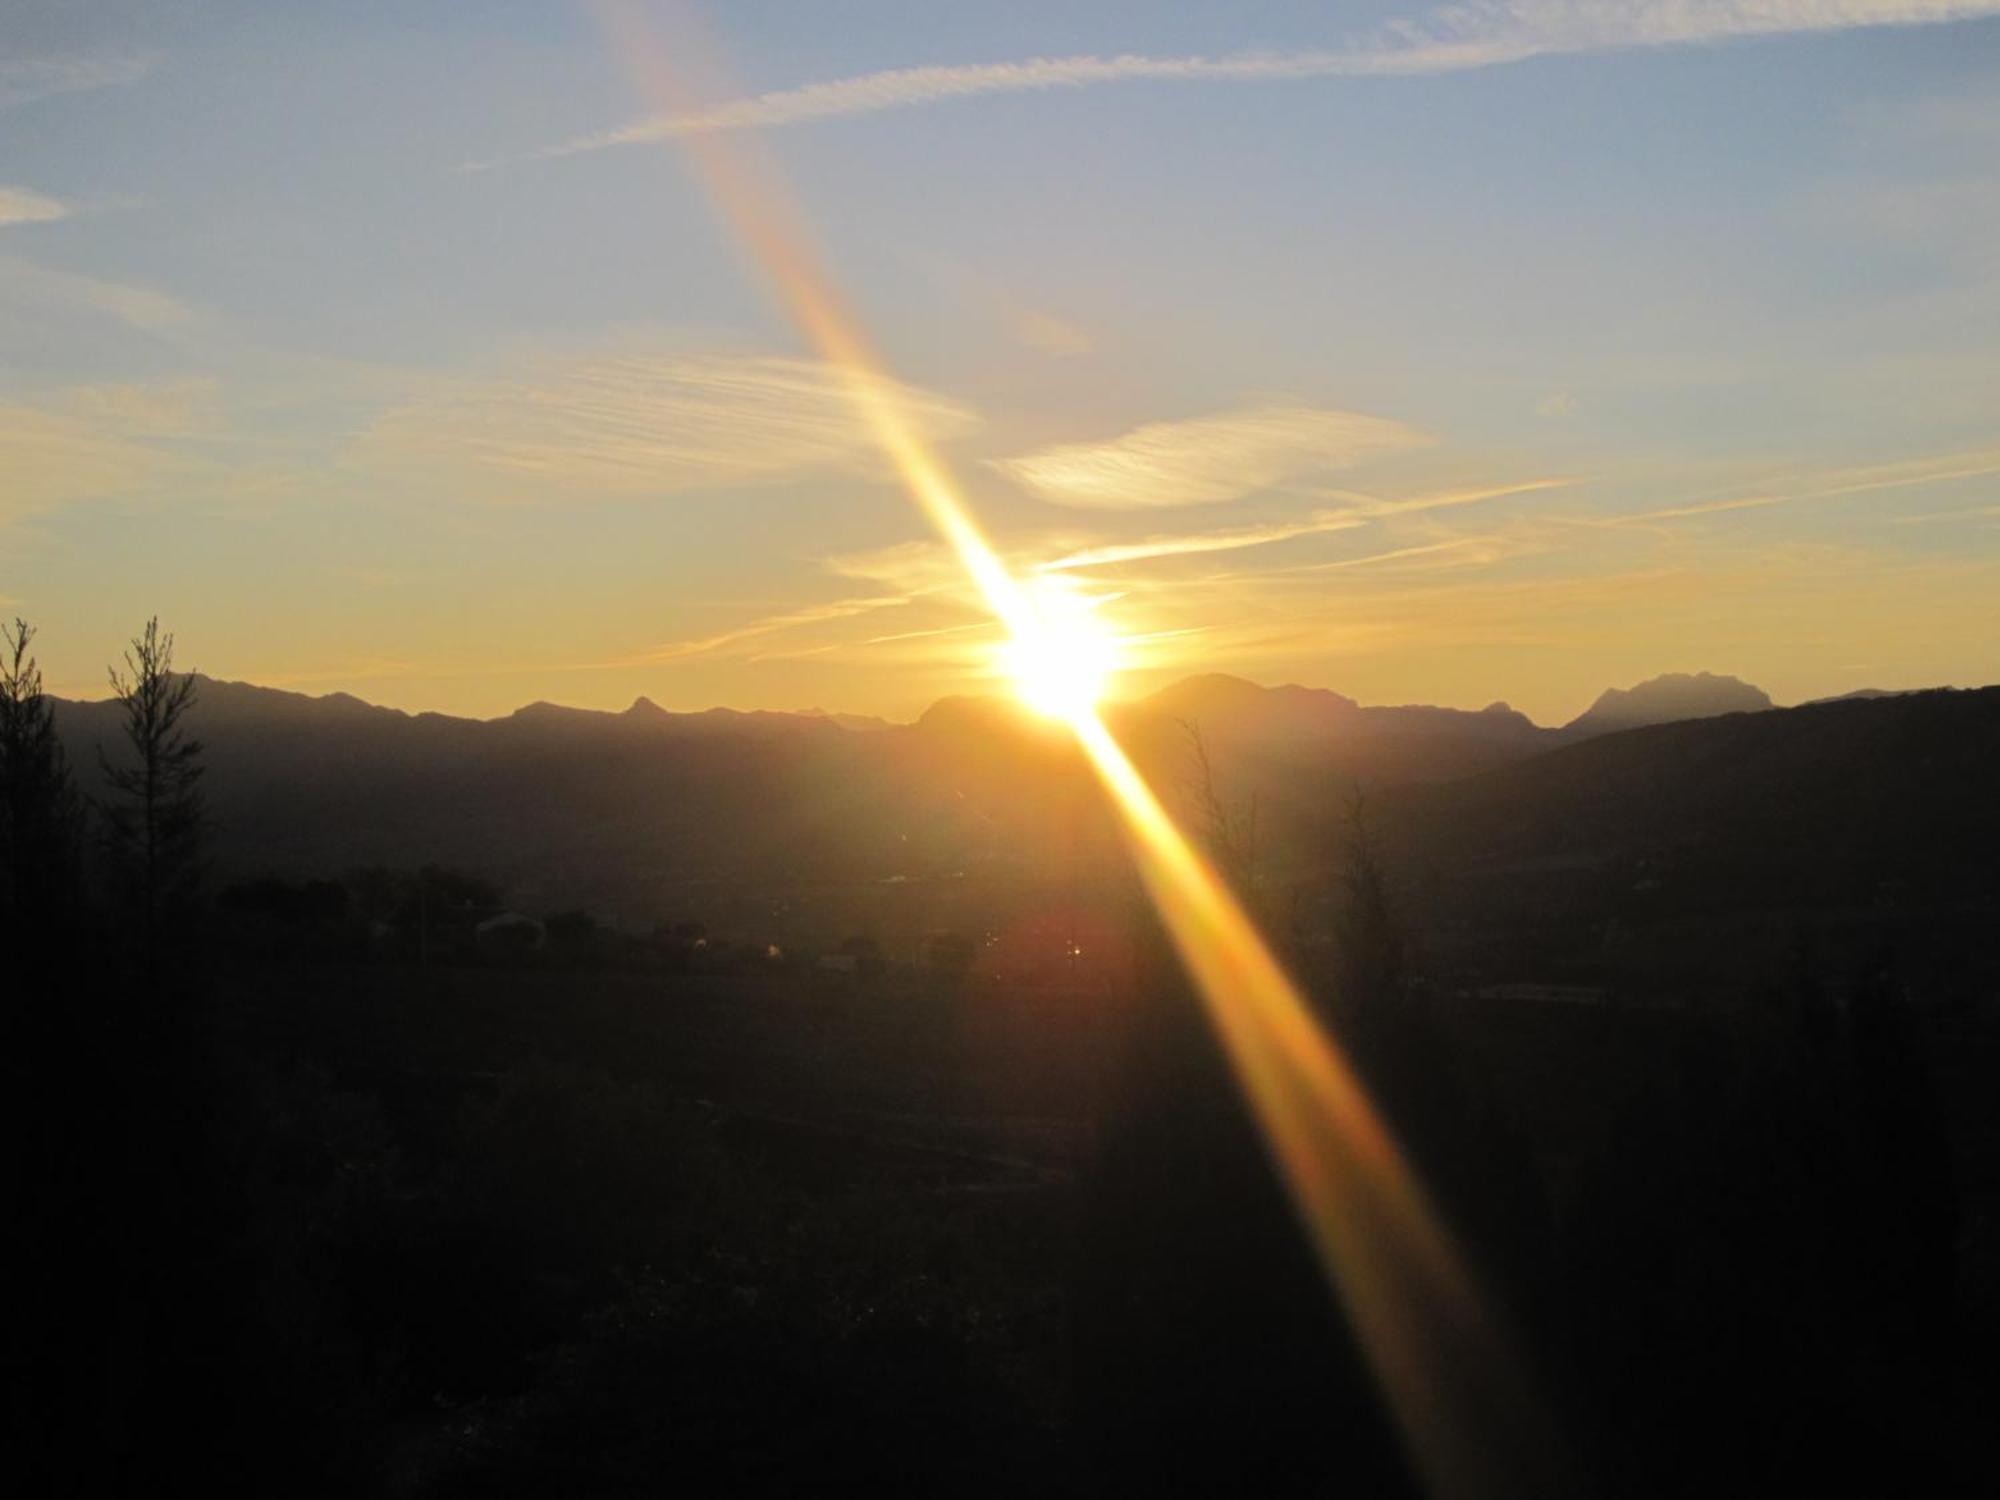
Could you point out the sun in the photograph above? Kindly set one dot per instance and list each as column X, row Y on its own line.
column 1062, row 655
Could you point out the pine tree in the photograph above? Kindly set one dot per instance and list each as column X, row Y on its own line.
column 40, row 813
column 155, row 816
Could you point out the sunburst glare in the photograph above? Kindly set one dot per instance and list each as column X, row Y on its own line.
column 1062, row 654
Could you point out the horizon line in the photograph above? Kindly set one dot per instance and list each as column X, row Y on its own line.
column 832, row 715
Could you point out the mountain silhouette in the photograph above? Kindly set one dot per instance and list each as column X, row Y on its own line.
column 1289, row 724
column 1668, row 699
column 1864, row 693
column 859, row 722
column 1680, row 853
column 614, row 806
column 1219, row 697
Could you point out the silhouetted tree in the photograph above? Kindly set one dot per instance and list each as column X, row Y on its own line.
column 1369, row 948
column 155, row 816
column 1229, row 832
column 50, row 1115
column 40, row 813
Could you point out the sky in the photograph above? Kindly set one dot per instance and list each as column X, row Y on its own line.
column 1507, row 350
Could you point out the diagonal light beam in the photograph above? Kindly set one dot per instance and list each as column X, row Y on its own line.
column 1469, row 1424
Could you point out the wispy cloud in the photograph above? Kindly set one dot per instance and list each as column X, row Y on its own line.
column 141, row 307
column 1373, row 506
column 911, row 568
column 636, row 424
column 1481, row 34
column 1020, row 317
column 1206, row 459
column 1906, row 474
column 1359, row 511
column 1486, row 549
column 923, row 582
column 1898, row 476
column 19, row 205
column 1969, row 513
column 23, row 80
column 986, row 625
column 1414, row 588
column 1196, row 543
column 98, row 442
column 1681, row 512
column 757, row 629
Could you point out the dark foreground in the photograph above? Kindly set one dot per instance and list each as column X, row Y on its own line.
column 480, row 1229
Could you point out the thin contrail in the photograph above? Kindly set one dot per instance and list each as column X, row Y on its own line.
column 1458, row 38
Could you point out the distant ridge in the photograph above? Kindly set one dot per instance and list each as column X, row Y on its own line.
column 859, row 723
column 1224, row 705
column 1860, row 694
column 1669, row 699
column 619, row 806
column 1219, row 696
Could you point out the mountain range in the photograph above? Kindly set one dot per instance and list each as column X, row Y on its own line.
column 645, row 812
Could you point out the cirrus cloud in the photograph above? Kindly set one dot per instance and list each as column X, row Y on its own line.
column 638, row 424
column 1359, row 511
column 23, row 80
column 102, row 442
column 26, row 286
column 1455, row 38
column 19, row 205
column 1207, row 459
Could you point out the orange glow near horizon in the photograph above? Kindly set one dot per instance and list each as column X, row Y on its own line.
column 1454, row 1391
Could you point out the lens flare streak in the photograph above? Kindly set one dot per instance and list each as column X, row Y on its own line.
column 1456, row 1395
column 1469, row 1425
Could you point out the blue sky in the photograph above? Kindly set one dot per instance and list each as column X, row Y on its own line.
column 1432, row 356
